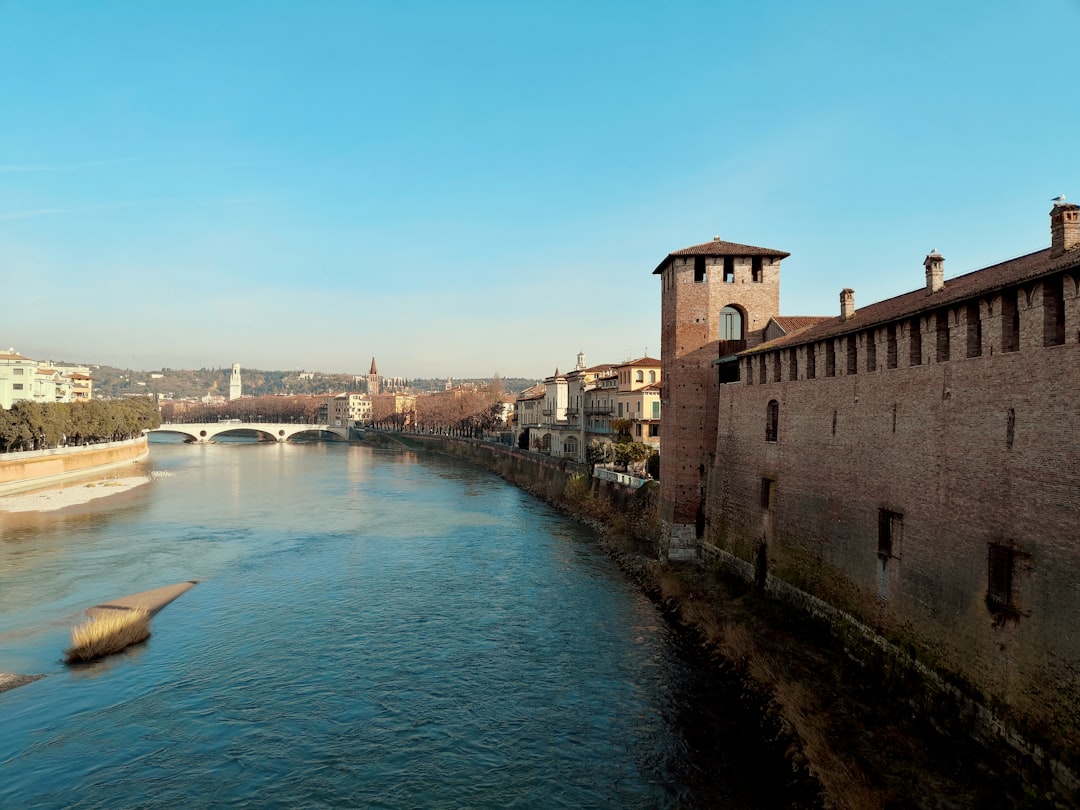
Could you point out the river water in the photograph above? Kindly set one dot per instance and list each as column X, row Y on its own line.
column 372, row 629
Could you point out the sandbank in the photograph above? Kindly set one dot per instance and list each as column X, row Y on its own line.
column 47, row 500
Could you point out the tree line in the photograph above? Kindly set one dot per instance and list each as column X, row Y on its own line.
column 40, row 425
column 298, row 409
column 458, row 412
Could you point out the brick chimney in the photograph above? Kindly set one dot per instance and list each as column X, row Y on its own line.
column 1064, row 227
column 935, row 272
column 847, row 304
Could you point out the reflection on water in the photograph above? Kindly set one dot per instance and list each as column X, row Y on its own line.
column 371, row 630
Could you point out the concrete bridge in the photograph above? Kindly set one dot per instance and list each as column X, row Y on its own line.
column 202, row 432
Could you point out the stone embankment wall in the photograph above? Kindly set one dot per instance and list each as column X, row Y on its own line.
column 39, row 468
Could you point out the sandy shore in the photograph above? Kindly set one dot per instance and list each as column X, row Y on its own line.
column 47, row 500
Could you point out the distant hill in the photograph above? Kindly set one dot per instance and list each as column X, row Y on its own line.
column 111, row 382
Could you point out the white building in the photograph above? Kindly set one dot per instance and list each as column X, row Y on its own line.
column 23, row 379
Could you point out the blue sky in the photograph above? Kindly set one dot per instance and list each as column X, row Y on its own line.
column 460, row 188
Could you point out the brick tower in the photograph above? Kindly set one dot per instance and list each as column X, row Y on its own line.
column 373, row 380
column 716, row 299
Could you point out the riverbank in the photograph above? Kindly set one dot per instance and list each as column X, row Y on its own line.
column 862, row 730
column 35, row 469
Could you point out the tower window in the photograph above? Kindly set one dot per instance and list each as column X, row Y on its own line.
column 871, row 350
column 729, row 269
column 731, row 324
column 699, row 269
column 811, row 362
column 890, row 346
column 830, row 358
column 852, row 355
column 755, row 270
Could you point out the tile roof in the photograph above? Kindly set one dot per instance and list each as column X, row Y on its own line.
column 791, row 323
column 13, row 356
column 970, row 285
column 718, row 247
column 642, row 361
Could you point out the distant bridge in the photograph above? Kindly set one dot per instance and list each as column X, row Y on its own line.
column 202, row 432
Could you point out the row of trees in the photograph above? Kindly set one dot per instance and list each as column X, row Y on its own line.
column 297, row 409
column 459, row 412
column 622, row 453
column 38, row 426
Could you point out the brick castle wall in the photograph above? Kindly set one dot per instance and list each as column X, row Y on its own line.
column 965, row 454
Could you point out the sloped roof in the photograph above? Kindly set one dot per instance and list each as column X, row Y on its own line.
column 970, row 285
column 792, row 323
column 12, row 356
column 642, row 361
column 718, row 247
column 536, row 392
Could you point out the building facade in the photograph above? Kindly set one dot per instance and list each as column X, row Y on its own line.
column 26, row 380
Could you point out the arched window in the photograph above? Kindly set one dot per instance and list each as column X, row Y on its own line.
column 731, row 327
column 652, row 376
column 640, row 376
column 772, row 419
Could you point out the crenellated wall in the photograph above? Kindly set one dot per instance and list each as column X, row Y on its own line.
column 935, row 503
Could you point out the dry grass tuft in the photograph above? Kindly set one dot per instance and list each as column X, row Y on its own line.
column 107, row 634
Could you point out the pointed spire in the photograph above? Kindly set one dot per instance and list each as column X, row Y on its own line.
column 373, row 369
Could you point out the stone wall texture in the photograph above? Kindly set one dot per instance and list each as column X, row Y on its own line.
column 23, row 471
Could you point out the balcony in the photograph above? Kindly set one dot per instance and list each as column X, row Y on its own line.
column 728, row 347
column 599, row 410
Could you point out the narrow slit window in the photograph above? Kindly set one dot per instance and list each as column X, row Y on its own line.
column 1001, row 565
column 890, row 532
column 772, row 420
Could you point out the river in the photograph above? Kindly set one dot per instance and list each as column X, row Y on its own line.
column 371, row 629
